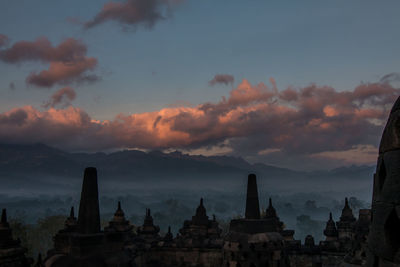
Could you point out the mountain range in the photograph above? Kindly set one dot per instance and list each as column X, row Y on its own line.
column 46, row 169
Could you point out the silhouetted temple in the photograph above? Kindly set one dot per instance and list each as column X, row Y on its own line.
column 200, row 231
column 82, row 243
column 330, row 231
column 255, row 240
column 199, row 243
column 11, row 252
column 258, row 239
column 253, row 223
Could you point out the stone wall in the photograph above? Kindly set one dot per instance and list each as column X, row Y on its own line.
column 172, row 257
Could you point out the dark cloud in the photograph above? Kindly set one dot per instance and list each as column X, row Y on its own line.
column 11, row 86
column 133, row 13
column 222, row 78
column 62, row 97
column 3, row 40
column 68, row 61
column 15, row 117
column 390, row 78
column 41, row 49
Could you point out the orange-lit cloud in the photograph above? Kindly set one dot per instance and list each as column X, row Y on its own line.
column 330, row 111
column 253, row 120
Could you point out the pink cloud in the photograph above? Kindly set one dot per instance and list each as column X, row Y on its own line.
column 133, row 12
column 63, row 73
column 253, row 119
column 64, row 96
column 68, row 61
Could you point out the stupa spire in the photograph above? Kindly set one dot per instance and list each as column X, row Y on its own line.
column 89, row 212
column 252, row 203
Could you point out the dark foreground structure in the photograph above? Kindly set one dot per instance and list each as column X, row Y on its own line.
column 384, row 239
column 258, row 239
column 11, row 252
column 255, row 240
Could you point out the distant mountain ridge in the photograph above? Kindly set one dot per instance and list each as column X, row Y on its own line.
column 27, row 163
column 43, row 158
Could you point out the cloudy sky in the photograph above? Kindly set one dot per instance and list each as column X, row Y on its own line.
column 300, row 84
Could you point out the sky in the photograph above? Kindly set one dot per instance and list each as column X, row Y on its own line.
column 299, row 84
